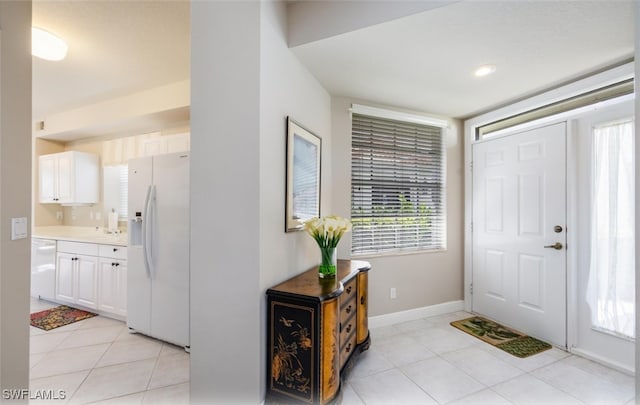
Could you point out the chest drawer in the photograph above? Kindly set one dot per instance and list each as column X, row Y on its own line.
column 349, row 292
column 346, row 350
column 348, row 309
column 347, row 327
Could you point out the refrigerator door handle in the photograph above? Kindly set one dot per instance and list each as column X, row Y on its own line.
column 150, row 211
column 144, row 232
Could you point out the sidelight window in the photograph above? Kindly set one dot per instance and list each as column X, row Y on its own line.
column 611, row 286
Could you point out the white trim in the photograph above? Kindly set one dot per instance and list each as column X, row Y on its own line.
column 602, row 360
column 594, row 82
column 398, row 116
column 560, row 116
column 572, row 237
column 415, row 314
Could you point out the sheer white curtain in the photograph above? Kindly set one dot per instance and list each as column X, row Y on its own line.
column 611, row 287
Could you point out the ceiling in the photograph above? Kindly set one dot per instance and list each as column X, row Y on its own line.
column 421, row 62
column 425, row 61
column 115, row 48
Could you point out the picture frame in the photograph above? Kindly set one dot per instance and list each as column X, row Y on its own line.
column 303, row 174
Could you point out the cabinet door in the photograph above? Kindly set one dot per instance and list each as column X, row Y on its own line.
column 87, row 275
column 121, row 308
column 47, row 178
column 65, row 277
column 65, row 177
column 112, row 286
column 108, row 282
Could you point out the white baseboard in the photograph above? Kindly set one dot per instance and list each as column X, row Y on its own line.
column 602, row 360
column 415, row 314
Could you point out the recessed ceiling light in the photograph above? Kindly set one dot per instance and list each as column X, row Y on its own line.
column 484, row 70
column 47, row 46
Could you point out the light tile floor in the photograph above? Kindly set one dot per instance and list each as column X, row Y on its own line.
column 430, row 362
column 97, row 360
column 420, row 362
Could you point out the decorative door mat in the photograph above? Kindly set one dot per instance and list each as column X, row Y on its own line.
column 509, row 340
column 58, row 316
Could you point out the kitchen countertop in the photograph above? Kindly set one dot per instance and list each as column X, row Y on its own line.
column 86, row 234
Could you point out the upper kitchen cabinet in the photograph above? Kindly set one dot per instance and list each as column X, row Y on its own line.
column 70, row 178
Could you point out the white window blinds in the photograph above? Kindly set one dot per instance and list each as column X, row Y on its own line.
column 397, row 186
column 124, row 192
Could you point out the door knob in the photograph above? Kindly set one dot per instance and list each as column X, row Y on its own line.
column 556, row 246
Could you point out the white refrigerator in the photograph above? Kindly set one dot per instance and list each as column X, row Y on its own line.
column 158, row 251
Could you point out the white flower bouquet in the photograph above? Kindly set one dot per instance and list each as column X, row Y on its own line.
column 327, row 232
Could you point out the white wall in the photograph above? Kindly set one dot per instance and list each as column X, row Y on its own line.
column 315, row 20
column 15, row 190
column 245, row 82
column 286, row 89
column 225, row 202
column 421, row 279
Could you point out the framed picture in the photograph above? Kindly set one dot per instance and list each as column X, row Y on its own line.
column 303, row 176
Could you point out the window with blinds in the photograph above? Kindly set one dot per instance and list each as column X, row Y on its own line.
column 123, row 201
column 116, row 189
column 397, row 186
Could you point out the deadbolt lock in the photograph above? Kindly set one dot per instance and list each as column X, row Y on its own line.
column 557, row 229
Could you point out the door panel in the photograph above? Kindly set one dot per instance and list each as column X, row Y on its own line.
column 87, row 292
column 170, row 295
column 66, row 180
column 519, row 195
column 64, row 277
column 139, row 283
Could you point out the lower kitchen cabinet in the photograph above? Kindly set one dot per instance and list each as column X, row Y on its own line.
column 112, row 279
column 76, row 279
column 92, row 276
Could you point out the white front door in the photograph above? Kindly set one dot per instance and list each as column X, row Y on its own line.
column 609, row 346
column 519, row 236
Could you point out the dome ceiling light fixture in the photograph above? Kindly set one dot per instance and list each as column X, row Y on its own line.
column 484, row 70
column 46, row 45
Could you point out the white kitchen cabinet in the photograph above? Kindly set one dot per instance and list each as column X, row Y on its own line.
column 69, row 178
column 76, row 279
column 65, row 290
column 112, row 281
column 92, row 275
column 77, row 273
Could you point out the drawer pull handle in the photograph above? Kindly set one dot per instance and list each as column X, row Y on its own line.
column 349, row 328
column 348, row 349
column 362, row 300
column 349, row 290
column 115, row 249
column 348, row 310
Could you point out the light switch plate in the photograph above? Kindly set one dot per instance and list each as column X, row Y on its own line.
column 18, row 228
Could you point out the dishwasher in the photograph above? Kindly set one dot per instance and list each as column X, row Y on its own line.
column 43, row 268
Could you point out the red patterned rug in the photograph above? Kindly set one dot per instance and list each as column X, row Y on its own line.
column 58, row 316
